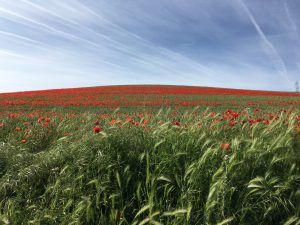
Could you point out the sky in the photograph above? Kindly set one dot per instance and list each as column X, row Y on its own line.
column 246, row 44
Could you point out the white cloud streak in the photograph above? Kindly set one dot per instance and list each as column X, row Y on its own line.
column 289, row 16
column 272, row 52
column 163, row 60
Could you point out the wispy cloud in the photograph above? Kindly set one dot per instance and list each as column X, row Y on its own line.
column 5, row 53
column 292, row 23
column 271, row 50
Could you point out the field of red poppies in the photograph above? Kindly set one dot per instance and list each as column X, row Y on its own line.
column 117, row 96
column 149, row 155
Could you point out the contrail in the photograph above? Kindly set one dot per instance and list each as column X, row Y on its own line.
column 20, row 37
column 164, row 51
column 12, row 54
column 47, row 27
column 113, row 44
column 164, row 59
column 287, row 11
column 274, row 55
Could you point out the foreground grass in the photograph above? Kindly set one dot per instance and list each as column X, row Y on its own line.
column 156, row 174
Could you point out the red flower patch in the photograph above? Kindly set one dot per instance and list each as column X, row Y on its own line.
column 97, row 129
column 225, row 146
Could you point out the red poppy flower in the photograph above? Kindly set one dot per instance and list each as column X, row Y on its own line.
column 23, row 141
column 177, row 123
column 235, row 114
column 112, row 122
column 252, row 121
column 259, row 120
column 1, row 124
column 225, row 146
column 146, row 122
column 232, row 124
column 41, row 119
column 96, row 123
column 17, row 129
column 97, row 129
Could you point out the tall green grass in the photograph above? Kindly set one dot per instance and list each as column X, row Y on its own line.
column 155, row 174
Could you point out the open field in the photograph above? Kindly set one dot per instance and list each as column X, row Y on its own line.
column 150, row 155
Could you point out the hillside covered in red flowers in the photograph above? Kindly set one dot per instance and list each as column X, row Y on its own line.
column 148, row 95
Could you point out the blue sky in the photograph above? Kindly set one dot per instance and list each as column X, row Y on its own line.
column 250, row 44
